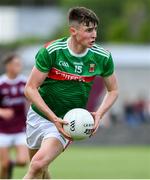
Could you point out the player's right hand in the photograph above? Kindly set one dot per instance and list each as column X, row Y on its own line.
column 97, row 119
column 6, row 113
column 59, row 125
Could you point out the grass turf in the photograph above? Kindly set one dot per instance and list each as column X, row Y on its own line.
column 100, row 163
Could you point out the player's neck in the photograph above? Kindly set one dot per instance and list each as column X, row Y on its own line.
column 75, row 46
column 11, row 75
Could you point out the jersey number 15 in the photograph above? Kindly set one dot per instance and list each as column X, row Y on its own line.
column 78, row 69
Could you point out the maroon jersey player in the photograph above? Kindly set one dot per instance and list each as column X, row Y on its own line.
column 12, row 116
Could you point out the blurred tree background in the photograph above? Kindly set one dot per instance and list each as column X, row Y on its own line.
column 120, row 21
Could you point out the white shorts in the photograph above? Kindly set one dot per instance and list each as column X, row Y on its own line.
column 9, row 140
column 39, row 128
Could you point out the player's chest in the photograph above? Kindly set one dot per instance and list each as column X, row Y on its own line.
column 79, row 66
column 15, row 90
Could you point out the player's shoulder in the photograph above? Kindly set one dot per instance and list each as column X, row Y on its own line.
column 2, row 79
column 99, row 50
column 56, row 44
column 22, row 78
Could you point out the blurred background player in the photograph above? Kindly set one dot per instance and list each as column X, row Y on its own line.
column 12, row 116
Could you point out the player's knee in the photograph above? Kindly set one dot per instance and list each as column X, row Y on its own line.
column 37, row 166
column 22, row 162
column 4, row 166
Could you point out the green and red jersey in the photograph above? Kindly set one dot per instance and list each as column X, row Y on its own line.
column 70, row 76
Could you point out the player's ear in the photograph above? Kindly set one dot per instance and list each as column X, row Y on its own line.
column 72, row 30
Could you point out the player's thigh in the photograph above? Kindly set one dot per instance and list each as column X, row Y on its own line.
column 32, row 152
column 22, row 154
column 50, row 148
column 4, row 156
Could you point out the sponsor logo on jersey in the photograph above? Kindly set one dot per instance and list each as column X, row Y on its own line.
column 63, row 63
column 4, row 91
column 14, row 90
column 78, row 63
column 92, row 68
column 8, row 101
column 61, row 75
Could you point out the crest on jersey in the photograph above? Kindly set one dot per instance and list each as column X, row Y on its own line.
column 92, row 68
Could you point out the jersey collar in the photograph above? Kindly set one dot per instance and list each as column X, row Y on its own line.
column 75, row 54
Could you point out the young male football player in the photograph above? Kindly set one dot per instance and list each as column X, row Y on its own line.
column 61, row 80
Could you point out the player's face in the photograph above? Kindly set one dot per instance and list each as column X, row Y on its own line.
column 86, row 35
column 14, row 67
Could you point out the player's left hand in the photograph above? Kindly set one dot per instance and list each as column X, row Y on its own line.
column 59, row 125
column 97, row 119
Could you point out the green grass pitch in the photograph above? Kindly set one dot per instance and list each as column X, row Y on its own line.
column 76, row 162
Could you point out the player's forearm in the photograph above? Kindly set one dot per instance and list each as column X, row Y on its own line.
column 33, row 95
column 108, row 101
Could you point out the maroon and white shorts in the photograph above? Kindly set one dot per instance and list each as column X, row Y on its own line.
column 9, row 140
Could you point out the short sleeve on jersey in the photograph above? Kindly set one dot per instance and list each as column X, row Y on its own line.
column 43, row 60
column 108, row 68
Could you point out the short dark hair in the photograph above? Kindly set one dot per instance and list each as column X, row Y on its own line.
column 9, row 58
column 82, row 15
